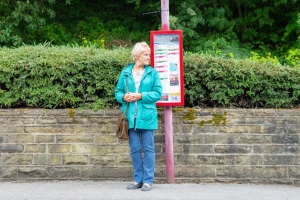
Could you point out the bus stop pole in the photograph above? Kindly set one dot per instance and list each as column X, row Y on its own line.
column 168, row 109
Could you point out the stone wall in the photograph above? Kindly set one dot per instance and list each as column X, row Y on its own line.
column 210, row 145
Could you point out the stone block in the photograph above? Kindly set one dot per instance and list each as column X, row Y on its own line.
column 15, row 120
column 80, row 120
column 64, row 120
column 63, row 172
column 19, row 138
column 249, row 160
column 183, row 128
column 59, row 148
column 75, row 160
column 186, row 159
column 160, row 160
column 280, row 120
column 87, row 112
column 82, row 129
column 160, row 173
column 110, row 120
column 57, row 112
column 35, row 148
column 279, row 159
column 84, row 138
column 219, row 138
column 176, row 120
column 188, row 139
column 123, row 160
column 47, row 159
column 105, row 139
column 33, row 112
column 236, row 149
column 276, row 149
column 17, row 159
column 83, row 148
column 11, row 148
column 46, row 120
column 96, row 120
column 10, row 112
column 94, row 172
column 215, row 160
column 234, row 171
column 103, row 160
column 3, row 120
column 158, row 148
column 253, row 139
column 197, row 129
column 240, row 129
column 285, row 139
column 194, row 171
column 159, row 138
column 294, row 172
column 244, row 120
column 32, row 172
column 197, row 149
column 29, row 121
column 49, row 129
column 112, row 150
column 177, row 149
column 111, row 128
column 110, row 112
column 295, row 129
column 44, row 138
column 263, row 112
column 10, row 172
column 296, row 182
column 11, row 129
column 280, row 129
column 267, row 172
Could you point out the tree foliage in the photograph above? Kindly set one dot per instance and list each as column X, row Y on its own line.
column 21, row 19
column 258, row 22
column 214, row 26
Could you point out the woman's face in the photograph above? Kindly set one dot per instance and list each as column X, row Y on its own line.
column 144, row 58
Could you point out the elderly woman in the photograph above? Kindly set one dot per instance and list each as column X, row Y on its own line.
column 144, row 90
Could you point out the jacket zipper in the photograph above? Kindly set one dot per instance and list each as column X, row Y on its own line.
column 135, row 106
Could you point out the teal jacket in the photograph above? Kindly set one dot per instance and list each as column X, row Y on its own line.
column 150, row 88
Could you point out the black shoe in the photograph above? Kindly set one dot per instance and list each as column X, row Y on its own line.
column 134, row 186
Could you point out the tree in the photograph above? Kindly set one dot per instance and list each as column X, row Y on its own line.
column 20, row 18
column 258, row 22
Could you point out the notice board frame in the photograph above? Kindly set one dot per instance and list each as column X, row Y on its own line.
column 167, row 59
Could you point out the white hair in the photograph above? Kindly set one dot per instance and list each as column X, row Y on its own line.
column 139, row 48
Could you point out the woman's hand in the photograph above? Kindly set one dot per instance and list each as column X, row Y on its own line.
column 132, row 97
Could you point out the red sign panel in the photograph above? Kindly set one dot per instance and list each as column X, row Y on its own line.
column 167, row 59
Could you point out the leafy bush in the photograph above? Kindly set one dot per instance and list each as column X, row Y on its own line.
column 55, row 77
column 211, row 81
column 46, row 76
column 293, row 57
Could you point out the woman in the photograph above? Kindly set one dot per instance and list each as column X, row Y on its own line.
column 144, row 91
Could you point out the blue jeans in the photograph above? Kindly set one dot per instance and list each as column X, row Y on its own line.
column 141, row 140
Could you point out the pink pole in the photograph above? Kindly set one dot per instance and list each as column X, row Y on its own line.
column 165, row 20
column 168, row 109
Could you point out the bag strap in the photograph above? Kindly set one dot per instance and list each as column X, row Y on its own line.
column 126, row 92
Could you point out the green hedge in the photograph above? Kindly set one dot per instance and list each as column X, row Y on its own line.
column 211, row 82
column 59, row 77
column 45, row 76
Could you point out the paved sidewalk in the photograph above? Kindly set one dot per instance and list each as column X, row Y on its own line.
column 91, row 190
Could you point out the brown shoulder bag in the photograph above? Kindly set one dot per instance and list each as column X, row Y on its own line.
column 122, row 126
